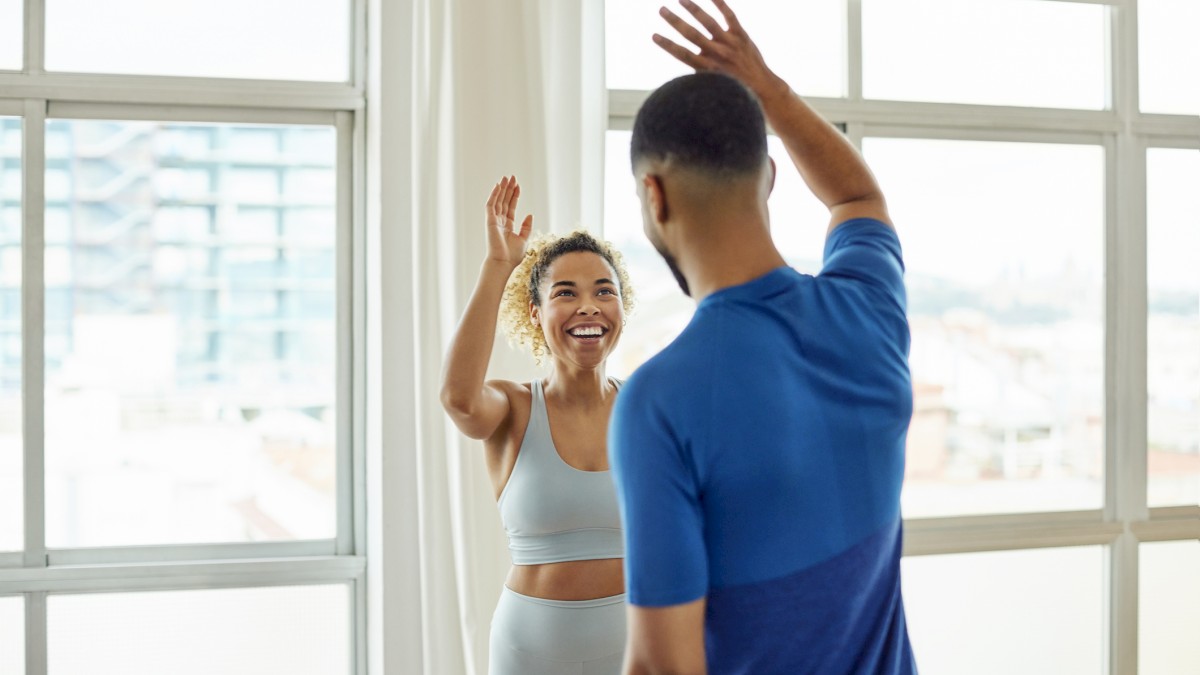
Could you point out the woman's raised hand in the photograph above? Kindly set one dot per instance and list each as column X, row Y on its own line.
column 725, row 50
column 505, row 243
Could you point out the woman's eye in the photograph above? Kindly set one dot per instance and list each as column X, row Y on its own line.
column 609, row 291
column 562, row 293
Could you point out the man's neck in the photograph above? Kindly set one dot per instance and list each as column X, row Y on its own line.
column 728, row 256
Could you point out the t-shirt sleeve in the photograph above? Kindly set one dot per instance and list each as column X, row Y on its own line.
column 866, row 250
column 665, row 558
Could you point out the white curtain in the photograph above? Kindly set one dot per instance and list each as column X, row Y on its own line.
column 500, row 87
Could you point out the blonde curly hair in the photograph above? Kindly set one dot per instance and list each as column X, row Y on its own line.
column 524, row 285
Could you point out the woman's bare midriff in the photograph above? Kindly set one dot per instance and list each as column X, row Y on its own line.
column 575, row 580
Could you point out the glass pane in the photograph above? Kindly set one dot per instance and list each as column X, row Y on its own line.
column 267, row 39
column 12, row 636
column 1169, row 608
column 190, row 384
column 11, row 449
column 1169, row 56
column 803, row 42
column 798, row 222
column 1039, row 611
column 300, row 630
column 12, row 17
column 1173, row 367
column 1003, row 244
column 993, row 52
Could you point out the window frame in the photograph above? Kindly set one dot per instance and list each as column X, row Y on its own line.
column 1124, row 133
column 35, row 96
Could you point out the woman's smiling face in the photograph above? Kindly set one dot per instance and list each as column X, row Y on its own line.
column 581, row 312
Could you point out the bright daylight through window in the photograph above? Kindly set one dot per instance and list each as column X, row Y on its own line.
column 176, row 326
column 11, row 487
column 190, row 345
column 11, row 17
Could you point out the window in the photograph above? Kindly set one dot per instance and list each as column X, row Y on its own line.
column 12, row 636
column 1006, row 310
column 11, row 488
column 996, row 613
column 1016, row 159
column 176, row 325
column 999, row 52
column 209, row 38
column 1170, row 594
column 11, row 44
column 1173, row 371
column 1169, row 67
column 232, row 443
column 299, row 629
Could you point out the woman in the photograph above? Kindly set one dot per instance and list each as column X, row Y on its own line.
column 562, row 609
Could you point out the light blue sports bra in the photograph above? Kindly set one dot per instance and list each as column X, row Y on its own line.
column 552, row 511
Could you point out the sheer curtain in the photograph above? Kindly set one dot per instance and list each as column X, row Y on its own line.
column 496, row 88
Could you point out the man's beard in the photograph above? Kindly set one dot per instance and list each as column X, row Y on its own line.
column 670, row 260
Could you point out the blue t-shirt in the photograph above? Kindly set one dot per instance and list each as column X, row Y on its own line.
column 759, row 458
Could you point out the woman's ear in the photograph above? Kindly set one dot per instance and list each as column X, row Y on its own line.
column 535, row 314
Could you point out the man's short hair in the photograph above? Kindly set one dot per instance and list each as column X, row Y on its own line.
column 707, row 122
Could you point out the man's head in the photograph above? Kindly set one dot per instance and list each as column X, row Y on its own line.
column 707, row 133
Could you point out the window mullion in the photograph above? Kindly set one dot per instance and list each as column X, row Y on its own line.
column 854, row 51
column 33, row 201
column 35, row 37
column 1126, row 356
column 344, row 339
column 36, row 649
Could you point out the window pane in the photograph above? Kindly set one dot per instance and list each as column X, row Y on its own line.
column 11, row 27
column 1039, row 611
column 11, row 450
column 994, row 52
column 1003, row 244
column 1169, row 56
column 798, row 222
column 662, row 309
column 267, row 39
column 803, row 42
column 1173, row 367
column 300, row 630
column 12, row 636
column 1169, row 608
column 178, row 407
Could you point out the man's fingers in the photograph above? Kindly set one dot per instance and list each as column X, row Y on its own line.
column 688, row 58
column 702, row 16
column 730, row 18
column 526, row 227
column 687, row 30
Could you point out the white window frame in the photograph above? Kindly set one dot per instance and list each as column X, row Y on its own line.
column 1124, row 133
column 36, row 572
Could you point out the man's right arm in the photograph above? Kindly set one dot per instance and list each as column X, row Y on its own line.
column 830, row 165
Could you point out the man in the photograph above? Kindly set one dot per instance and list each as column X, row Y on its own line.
column 759, row 457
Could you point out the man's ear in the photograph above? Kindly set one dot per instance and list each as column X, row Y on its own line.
column 771, row 184
column 656, row 198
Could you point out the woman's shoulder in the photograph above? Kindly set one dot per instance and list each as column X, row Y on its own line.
column 519, row 394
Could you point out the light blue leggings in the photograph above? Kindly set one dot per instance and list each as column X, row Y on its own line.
column 535, row 636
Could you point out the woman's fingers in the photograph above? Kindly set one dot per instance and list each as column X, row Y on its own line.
column 491, row 202
column 511, row 211
column 526, row 227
